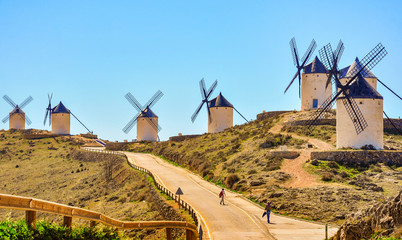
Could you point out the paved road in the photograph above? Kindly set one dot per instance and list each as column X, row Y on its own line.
column 239, row 219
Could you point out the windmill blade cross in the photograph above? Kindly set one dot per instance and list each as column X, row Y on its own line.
column 27, row 120
column 295, row 53
column 155, row 98
column 203, row 89
column 195, row 114
column 399, row 131
column 9, row 101
column 293, row 79
column 355, row 114
column 308, row 53
column 212, row 88
column 153, row 125
column 369, row 61
column 5, row 119
column 133, row 101
column 26, row 102
column 44, row 121
column 130, row 124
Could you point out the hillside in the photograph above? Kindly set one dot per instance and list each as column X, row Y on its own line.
column 265, row 163
column 54, row 169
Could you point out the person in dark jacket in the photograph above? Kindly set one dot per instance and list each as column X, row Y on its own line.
column 267, row 211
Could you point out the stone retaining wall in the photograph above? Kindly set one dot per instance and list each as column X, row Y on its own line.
column 182, row 138
column 266, row 115
column 387, row 125
column 284, row 154
column 360, row 157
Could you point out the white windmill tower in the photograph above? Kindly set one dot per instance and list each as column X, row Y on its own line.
column 314, row 90
column 220, row 110
column 366, row 74
column 146, row 119
column 17, row 117
column 359, row 105
column 312, row 81
column 59, row 118
column 370, row 103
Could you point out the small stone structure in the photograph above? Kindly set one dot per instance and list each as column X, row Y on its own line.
column 360, row 157
column 265, row 115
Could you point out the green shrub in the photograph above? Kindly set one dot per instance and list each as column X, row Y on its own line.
column 231, row 179
column 327, row 176
column 46, row 230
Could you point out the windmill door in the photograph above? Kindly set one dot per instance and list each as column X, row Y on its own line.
column 315, row 103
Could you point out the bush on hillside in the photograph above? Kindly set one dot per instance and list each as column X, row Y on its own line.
column 46, row 230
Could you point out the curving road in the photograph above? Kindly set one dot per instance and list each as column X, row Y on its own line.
column 238, row 219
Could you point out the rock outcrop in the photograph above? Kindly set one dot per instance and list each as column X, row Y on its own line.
column 384, row 219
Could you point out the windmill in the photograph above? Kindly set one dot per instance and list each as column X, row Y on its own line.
column 351, row 115
column 220, row 110
column 59, row 118
column 205, row 95
column 17, row 117
column 146, row 119
column 300, row 63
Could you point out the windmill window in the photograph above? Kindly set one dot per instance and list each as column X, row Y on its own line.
column 318, row 75
column 361, row 102
column 315, row 88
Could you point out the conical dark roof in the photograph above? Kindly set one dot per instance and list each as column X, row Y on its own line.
column 315, row 66
column 365, row 73
column 220, row 101
column 147, row 113
column 362, row 89
column 17, row 110
column 60, row 108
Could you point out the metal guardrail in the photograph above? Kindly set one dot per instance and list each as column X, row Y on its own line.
column 175, row 197
column 32, row 205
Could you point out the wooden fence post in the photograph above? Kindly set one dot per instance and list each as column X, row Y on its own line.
column 30, row 218
column 189, row 235
column 67, row 221
column 169, row 234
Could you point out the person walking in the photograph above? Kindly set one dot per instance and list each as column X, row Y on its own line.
column 222, row 195
column 267, row 211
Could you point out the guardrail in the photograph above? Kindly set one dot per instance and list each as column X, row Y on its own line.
column 175, row 197
column 32, row 205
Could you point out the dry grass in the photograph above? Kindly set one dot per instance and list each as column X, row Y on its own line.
column 54, row 169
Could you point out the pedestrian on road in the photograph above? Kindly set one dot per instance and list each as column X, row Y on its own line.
column 222, row 195
column 267, row 211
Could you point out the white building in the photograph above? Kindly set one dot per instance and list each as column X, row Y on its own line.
column 60, row 120
column 147, row 126
column 313, row 87
column 221, row 114
column 367, row 74
column 17, row 118
column 370, row 103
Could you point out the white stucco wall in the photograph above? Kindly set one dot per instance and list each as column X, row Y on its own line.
column 313, row 87
column 145, row 131
column 17, row 121
column 61, row 123
column 372, row 110
column 221, row 118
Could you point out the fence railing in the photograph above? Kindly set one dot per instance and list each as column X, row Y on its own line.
column 175, row 197
column 32, row 205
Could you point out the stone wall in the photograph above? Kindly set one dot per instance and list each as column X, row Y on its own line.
column 387, row 125
column 360, row 157
column 266, row 115
column 284, row 154
column 182, row 138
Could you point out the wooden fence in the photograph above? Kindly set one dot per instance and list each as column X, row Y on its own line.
column 175, row 197
column 32, row 205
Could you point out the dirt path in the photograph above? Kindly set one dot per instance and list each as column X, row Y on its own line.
column 294, row 167
column 238, row 219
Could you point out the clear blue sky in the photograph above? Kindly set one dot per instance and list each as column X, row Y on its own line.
column 89, row 54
